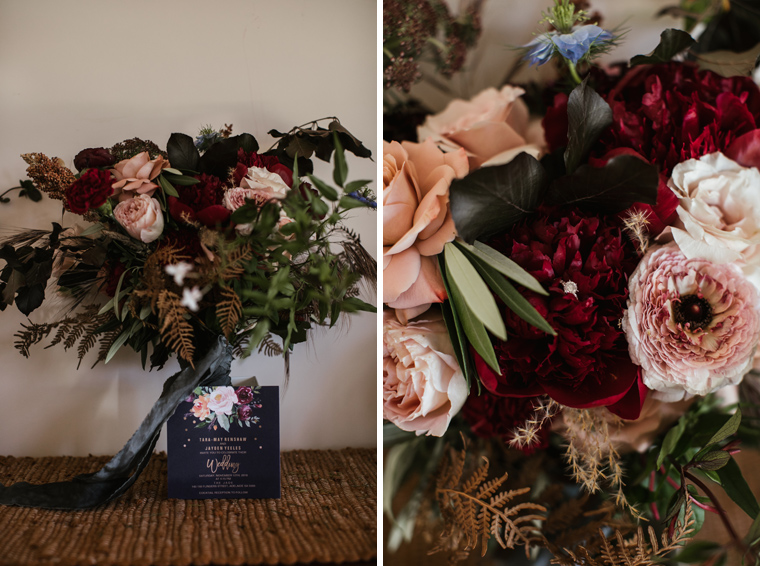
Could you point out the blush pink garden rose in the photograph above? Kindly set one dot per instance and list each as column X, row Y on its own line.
column 265, row 184
column 691, row 324
column 423, row 387
column 719, row 211
column 222, row 400
column 200, row 407
column 493, row 128
column 417, row 222
column 141, row 217
column 135, row 175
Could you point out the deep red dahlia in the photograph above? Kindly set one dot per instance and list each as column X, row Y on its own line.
column 200, row 203
column 90, row 191
column 584, row 263
column 495, row 416
column 114, row 273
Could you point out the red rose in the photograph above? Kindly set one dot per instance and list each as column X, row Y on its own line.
column 244, row 412
column 584, row 263
column 90, row 191
column 201, row 202
column 93, row 157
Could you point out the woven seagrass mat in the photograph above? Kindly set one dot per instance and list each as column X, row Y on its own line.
column 327, row 514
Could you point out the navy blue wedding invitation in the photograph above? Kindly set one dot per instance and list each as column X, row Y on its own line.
column 224, row 443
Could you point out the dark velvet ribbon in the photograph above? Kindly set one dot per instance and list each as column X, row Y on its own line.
column 113, row 479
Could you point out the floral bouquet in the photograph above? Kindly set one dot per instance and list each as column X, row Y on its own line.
column 571, row 291
column 206, row 250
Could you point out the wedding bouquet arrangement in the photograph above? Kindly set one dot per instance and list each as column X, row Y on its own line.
column 208, row 238
column 207, row 250
column 571, row 275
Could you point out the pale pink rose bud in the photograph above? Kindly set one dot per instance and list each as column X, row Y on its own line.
column 141, row 217
column 135, row 175
column 423, row 386
column 692, row 325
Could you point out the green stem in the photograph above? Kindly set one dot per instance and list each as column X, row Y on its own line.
column 3, row 198
column 574, row 72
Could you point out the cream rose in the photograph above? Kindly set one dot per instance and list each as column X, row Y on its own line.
column 692, row 325
column 222, row 400
column 719, row 210
column 265, row 184
column 141, row 217
column 423, row 387
column 417, row 221
column 137, row 174
column 493, row 128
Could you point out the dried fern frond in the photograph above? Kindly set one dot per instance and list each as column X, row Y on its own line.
column 30, row 335
column 358, row 258
column 269, row 347
column 640, row 550
column 232, row 264
column 176, row 331
column 229, row 310
column 474, row 510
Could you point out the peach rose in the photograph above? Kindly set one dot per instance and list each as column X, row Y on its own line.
column 423, row 386
column 200, row 407
column 141, row 217
column 417, row 222
column 494, row 127
column 136, row 175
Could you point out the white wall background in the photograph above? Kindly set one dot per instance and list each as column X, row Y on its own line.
column 89, row 73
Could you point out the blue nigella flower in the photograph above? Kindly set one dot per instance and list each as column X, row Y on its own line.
column 575, row 45
column 364, row 200
column 203, row 138
column 540, row 50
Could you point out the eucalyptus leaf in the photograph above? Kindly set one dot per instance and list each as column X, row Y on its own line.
column 171, row 170
column 753, row 535
column 698, row 551
column 672, row 42
column 492, row 199
column 398, row 462
column 623, row 181
column 456, row 332
column 182, row 180
column 474, row 330
column 121, row 339
column 504, row 265
column 476, row 294
column 512, row 298
column 167, row 187
column 588, row 115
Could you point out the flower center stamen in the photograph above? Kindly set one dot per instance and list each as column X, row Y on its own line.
column 692, row 311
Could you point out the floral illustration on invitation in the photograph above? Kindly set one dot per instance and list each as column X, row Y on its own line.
column 224, row 406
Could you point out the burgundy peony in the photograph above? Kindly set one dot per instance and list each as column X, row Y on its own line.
column 584, row 263
column 244, row 395
column 114, row 273
column 244, row 412
column 93, row 157
column 495, row 416
column 90, row 191
column 673, row 112
column 201, row 203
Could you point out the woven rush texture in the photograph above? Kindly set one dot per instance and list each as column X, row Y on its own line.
column 327, row 514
